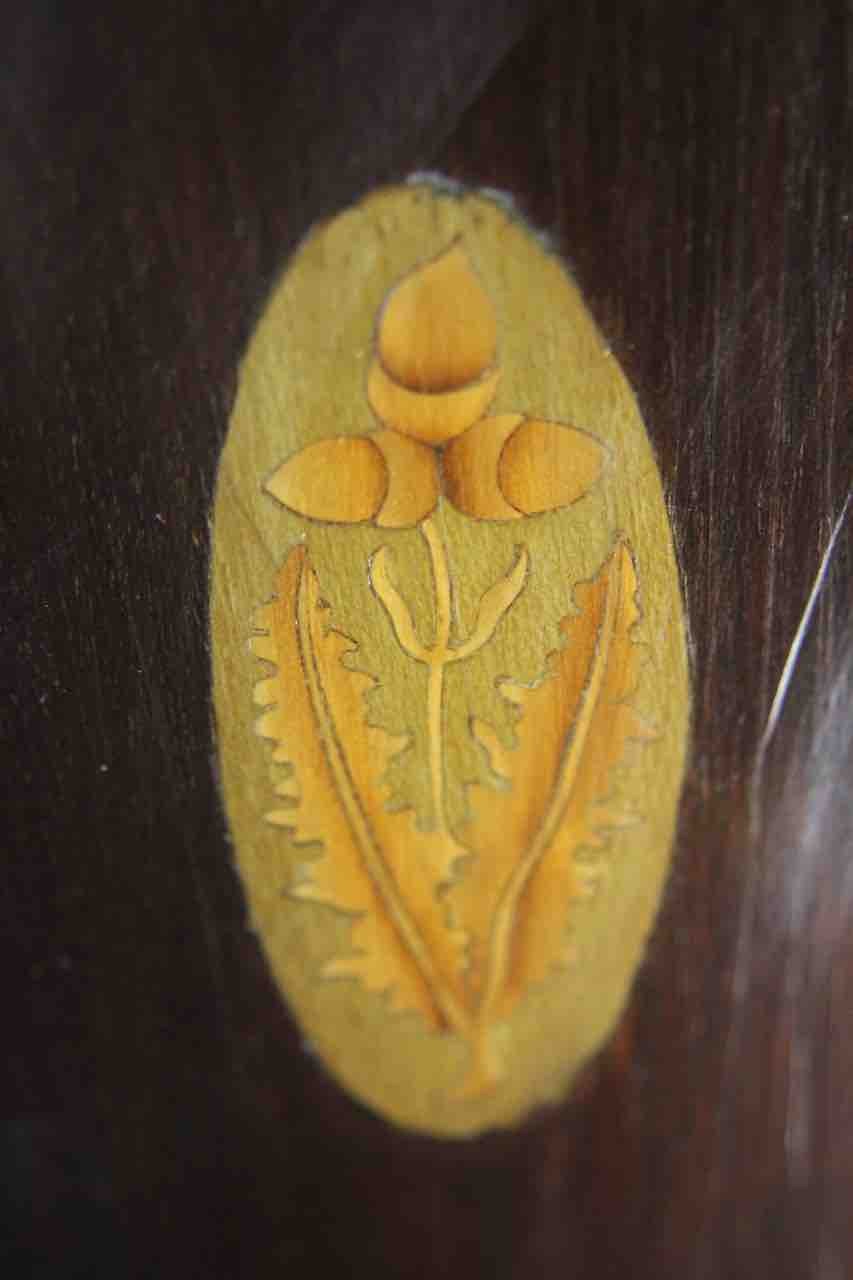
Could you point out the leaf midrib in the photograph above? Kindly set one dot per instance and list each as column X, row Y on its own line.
column 506, row 913
column 447, row 1007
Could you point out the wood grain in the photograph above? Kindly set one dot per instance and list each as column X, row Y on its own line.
column 504, row 896
column 693, row 163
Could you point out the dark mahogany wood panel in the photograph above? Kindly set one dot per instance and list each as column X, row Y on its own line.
column 694, row 164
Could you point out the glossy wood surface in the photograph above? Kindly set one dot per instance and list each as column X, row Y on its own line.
column 471, row 680
column 693, row 162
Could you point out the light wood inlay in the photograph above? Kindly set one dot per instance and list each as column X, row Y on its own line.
column 471, row 676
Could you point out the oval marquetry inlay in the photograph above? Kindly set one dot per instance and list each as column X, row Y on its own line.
column 449, row 660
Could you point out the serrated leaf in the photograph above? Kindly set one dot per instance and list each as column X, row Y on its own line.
column 375, row 864
column 551, row 798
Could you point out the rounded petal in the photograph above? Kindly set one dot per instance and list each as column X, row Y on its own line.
column 412, row 480
column 343, row 480
column 545, row 465
column 470, row 467
column 432, row 418
column 437, row 328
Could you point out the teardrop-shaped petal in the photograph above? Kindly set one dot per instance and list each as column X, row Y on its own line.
column 437, row 327
column 545, row 465
column 432, row 418
column 343, row 479
column 470, row 468
column 412, row 480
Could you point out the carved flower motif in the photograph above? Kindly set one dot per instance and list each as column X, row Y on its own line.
column 433, row 376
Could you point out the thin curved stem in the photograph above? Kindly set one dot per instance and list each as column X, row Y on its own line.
column 472, row 1024
column 494, row 606
column 395, row 606
column 437, row 658
column 441, row 581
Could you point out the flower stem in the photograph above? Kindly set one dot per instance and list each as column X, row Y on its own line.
column 441, row 581
column 472, row 1024
column 437, row 659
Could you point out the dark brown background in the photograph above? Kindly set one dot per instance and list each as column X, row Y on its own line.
column 693, row 161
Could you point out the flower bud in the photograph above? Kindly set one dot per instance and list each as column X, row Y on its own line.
column 343, row 479
column 470, row 466
column 545, row 465
column 433, row 418
column 412, row 480
column 433, row 374
column 437, row 328
column 508, row 466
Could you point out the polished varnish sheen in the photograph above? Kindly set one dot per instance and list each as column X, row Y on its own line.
column 160, row 164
